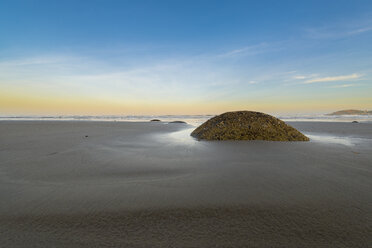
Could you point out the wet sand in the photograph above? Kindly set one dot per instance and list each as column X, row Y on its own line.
column 152, row 185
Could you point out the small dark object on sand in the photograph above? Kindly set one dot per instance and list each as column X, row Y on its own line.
column 155, row 120
column 354, row 122
column 247, row 125
column 182, row 122
column 86, row 136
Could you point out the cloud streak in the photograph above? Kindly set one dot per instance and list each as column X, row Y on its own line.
column 340, row 30
column 249, row 50
column 332, row 79
column 343, row 86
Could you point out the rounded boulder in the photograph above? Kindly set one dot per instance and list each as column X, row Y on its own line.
column 247, row 125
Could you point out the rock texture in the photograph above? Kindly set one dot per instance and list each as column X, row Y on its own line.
column 247, row 125
column 180, row 122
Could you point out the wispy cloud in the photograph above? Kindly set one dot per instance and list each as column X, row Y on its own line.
column 300, row 77
column 339, row 30
column 332, row 79
column 172, row 79
column 36, row 61
column 248, row 50
column 343, row 86
column 330, row 33
column 360, row 30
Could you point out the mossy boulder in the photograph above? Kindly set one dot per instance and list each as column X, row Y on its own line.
column 247, row 125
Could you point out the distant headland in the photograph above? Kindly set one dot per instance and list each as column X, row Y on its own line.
column 352, row 112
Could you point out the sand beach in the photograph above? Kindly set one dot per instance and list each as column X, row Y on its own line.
column 150, row 184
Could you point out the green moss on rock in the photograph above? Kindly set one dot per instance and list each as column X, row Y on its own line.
column 247, row 125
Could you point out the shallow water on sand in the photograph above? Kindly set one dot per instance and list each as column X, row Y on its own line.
column 184, row 137
column 342, row 140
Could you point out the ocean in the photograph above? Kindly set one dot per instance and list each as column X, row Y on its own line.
column 190, row 119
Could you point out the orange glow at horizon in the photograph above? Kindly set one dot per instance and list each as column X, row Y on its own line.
column 16, row 103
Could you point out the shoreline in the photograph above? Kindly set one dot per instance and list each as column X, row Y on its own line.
column 191, row 119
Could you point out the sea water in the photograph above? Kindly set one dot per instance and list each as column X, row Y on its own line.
column 190, row 119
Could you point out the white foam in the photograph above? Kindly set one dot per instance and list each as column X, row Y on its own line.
column 183, row 136
column 346, row 141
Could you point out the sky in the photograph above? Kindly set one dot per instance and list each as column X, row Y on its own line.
column 184, row 57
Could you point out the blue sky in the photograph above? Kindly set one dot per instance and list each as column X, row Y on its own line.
column 176, row 57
